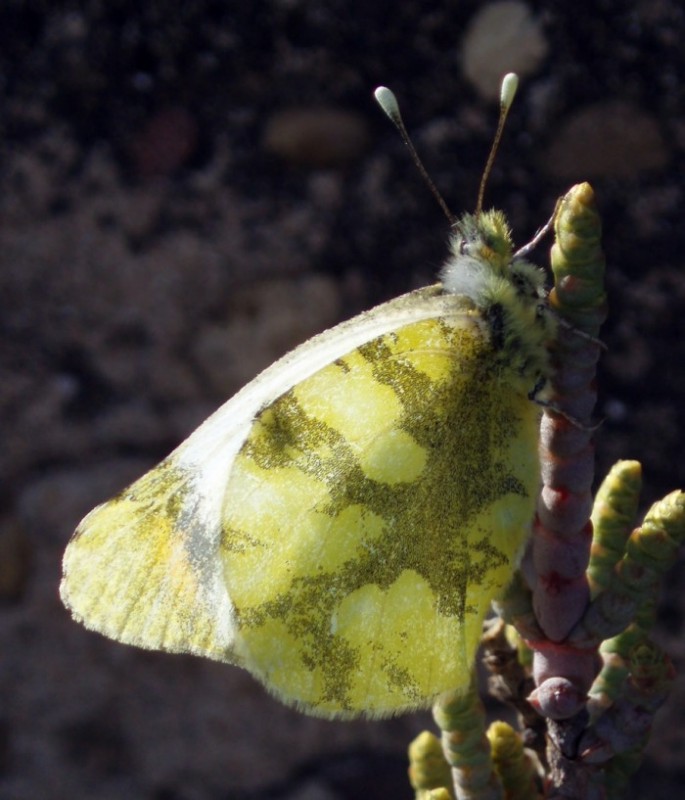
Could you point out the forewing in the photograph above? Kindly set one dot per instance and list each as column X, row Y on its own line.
column 145, row 567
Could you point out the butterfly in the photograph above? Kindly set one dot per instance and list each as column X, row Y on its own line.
column 340, row 526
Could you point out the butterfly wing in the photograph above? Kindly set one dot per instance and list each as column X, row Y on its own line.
column 144, row 568
column 340, row 526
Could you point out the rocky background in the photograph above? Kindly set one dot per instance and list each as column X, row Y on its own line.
column 187, row 190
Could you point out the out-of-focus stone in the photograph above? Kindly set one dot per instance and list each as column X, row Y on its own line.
column 606, row 140
column 265, row 320
column 502, row 37
column 316, row 137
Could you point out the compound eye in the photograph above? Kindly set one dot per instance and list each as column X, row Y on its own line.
column 488, row 241
column 463, row 247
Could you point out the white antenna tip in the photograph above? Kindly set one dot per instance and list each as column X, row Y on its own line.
column 510, row 83
column 388, row 102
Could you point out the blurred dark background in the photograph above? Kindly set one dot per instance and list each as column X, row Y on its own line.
column 189, row 190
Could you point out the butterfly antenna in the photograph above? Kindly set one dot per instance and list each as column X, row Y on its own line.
column 510, row 84
column 388, row 102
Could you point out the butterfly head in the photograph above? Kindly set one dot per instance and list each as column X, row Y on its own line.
column 486, row 237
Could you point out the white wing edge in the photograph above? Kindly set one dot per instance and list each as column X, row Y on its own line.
column 213, row 446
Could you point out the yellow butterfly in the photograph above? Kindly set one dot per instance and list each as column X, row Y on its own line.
column 340, row 526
